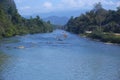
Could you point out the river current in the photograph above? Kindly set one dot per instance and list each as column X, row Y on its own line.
column 45, row 57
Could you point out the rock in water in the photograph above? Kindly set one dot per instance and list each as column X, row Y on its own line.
column 21, row 47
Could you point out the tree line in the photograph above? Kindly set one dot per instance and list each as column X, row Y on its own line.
column 12, row 23
column 97, row 19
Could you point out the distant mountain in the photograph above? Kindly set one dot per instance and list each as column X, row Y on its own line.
column 57, row 20
column 67, row 14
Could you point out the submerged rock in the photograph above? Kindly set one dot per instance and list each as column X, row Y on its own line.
column 20, row 47
column 59, row 39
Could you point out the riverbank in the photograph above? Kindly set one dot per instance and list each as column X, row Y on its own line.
column 108, row 38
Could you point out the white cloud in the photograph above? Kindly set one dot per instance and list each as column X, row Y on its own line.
column 71, row 4
column 47, row 5
column 87, row 4
column 118, row 4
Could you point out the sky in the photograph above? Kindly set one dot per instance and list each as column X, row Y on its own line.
column 57, row 7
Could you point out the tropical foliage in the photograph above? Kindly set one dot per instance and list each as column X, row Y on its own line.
column 12, row 23
column 96, row 19
column 103, row 24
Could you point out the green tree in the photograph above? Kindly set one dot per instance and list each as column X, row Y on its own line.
column 100, row 14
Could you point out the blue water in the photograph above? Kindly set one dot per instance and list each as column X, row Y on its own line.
column 46, row 58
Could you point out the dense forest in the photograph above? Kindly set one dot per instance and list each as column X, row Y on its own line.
column 101, row 23
column 12, row 23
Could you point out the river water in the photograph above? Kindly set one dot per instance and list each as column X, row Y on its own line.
column 43, row 57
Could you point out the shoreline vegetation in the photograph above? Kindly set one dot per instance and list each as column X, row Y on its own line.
column 98, row 23
column 107, row 38
column 12, row 23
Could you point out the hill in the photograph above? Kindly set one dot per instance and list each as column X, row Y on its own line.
column 12, row 23
column 57, row 20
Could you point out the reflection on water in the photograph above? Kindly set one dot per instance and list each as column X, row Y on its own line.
column 3, row 59
column 43, row 57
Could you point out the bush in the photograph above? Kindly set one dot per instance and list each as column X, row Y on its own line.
column 105, row 37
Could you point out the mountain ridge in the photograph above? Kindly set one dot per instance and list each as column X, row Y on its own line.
column 57, row 20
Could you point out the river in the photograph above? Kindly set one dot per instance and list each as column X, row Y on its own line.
column 43, row 57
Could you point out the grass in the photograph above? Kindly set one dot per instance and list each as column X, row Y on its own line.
column 105, row 37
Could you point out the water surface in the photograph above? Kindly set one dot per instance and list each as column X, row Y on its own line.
column 46, row 58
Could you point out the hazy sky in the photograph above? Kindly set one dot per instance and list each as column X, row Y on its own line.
column 29, row 7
